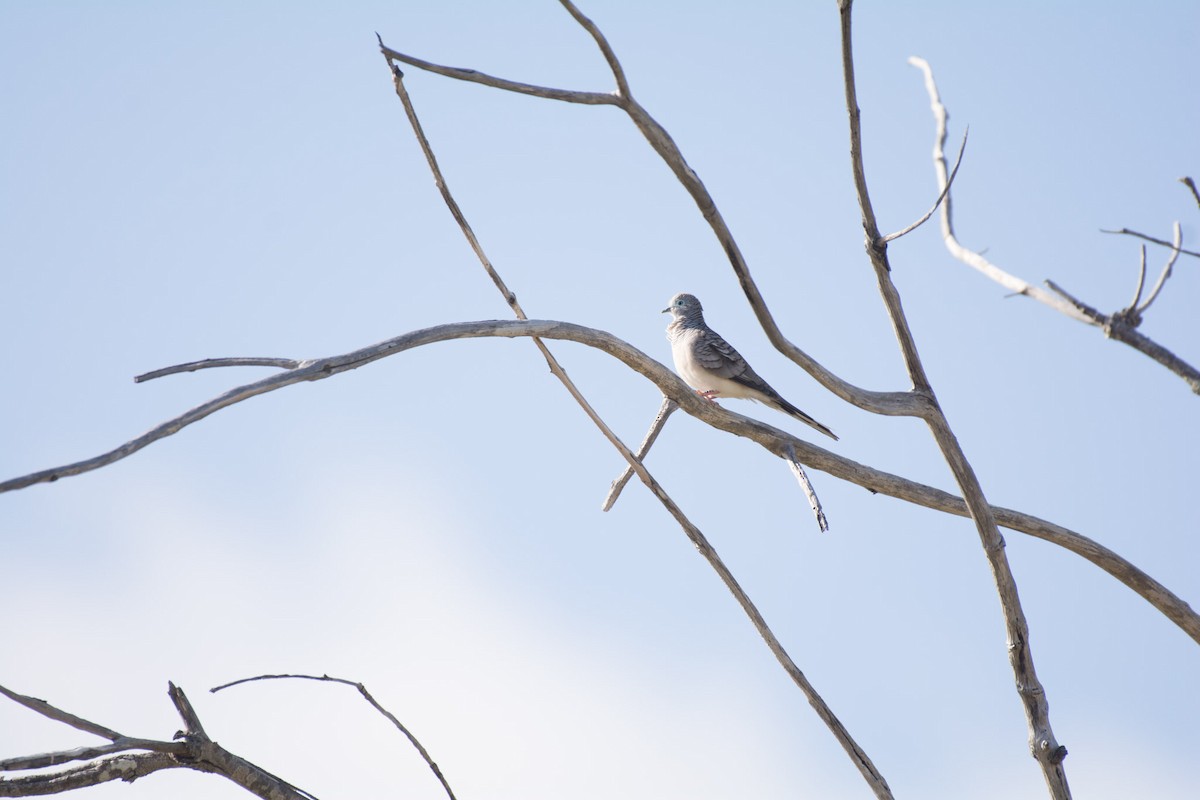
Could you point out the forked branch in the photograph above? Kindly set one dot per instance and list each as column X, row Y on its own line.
column 1119, row 326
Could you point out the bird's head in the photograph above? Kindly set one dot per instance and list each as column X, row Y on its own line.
column 684, row 305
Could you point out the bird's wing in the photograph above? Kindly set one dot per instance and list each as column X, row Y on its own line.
column 717, row 356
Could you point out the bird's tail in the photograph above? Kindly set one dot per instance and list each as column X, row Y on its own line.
column 791, row 410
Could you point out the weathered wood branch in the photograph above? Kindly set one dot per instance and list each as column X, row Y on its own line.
column 1042, row 743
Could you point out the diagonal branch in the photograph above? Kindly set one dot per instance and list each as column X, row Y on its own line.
column 891, row 237
column 860, row 758
column 1042, row 743
column 888, row 403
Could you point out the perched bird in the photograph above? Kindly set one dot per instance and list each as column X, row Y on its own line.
column 711, row 366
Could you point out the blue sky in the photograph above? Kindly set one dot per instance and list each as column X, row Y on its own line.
column 188, row 181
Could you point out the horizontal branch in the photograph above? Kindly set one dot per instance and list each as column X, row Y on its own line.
column 773, row 439
column 127, row 767
column 1152, row 240
column 212, row 363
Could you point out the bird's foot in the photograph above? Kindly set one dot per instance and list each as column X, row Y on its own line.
column 708, row 394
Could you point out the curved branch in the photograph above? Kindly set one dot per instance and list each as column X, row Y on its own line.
column 1166, row 272
column 420, row 748
column 770, row 438
column 891, row 237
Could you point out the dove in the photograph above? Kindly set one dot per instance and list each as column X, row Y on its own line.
column 711, row 366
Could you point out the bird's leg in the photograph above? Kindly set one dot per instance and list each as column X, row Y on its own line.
column 708, row 394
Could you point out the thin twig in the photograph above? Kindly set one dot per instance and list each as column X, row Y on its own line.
column 473, row 76
column 1166, row 272
column 1132, row 308
column 1191, row 185
column 660, row 419
column 362, row 689
column 58, row 715
column 1148, row 238
column 945, row 191
column 210, row 363
column 814, row 502
column 774, row 440
column 1042, row 743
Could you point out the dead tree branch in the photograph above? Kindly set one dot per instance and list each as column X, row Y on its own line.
column 772, row 439
column 1042, row 743
column 693, row 533
column 128, row 758
column 1116, row 326
column 889, row 403
column 362, row 690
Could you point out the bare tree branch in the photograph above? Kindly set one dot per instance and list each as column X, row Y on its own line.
column 1167, row 268
column 211, row 363
column 667, row 408
column 374, row 703
column 601, row 42
column 1132, row 308
column 126, row 767
column 1113, row 327
column 195, row 751
column 888, row 403
column 891, row 237
column 1191, row 185
column 697, row 538
column 814, row 502
column 472, row 76
column 1152, row 239
column 772, row 439
column 58, row 715
column 1042, row 743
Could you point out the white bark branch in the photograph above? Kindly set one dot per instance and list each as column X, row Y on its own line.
column 1115, row 326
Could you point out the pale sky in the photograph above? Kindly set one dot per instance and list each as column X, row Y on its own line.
column 181, row 181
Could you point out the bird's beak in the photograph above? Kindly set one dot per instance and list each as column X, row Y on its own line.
column 665, row 310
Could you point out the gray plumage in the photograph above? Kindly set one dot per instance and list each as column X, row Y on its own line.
column 711, row 366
